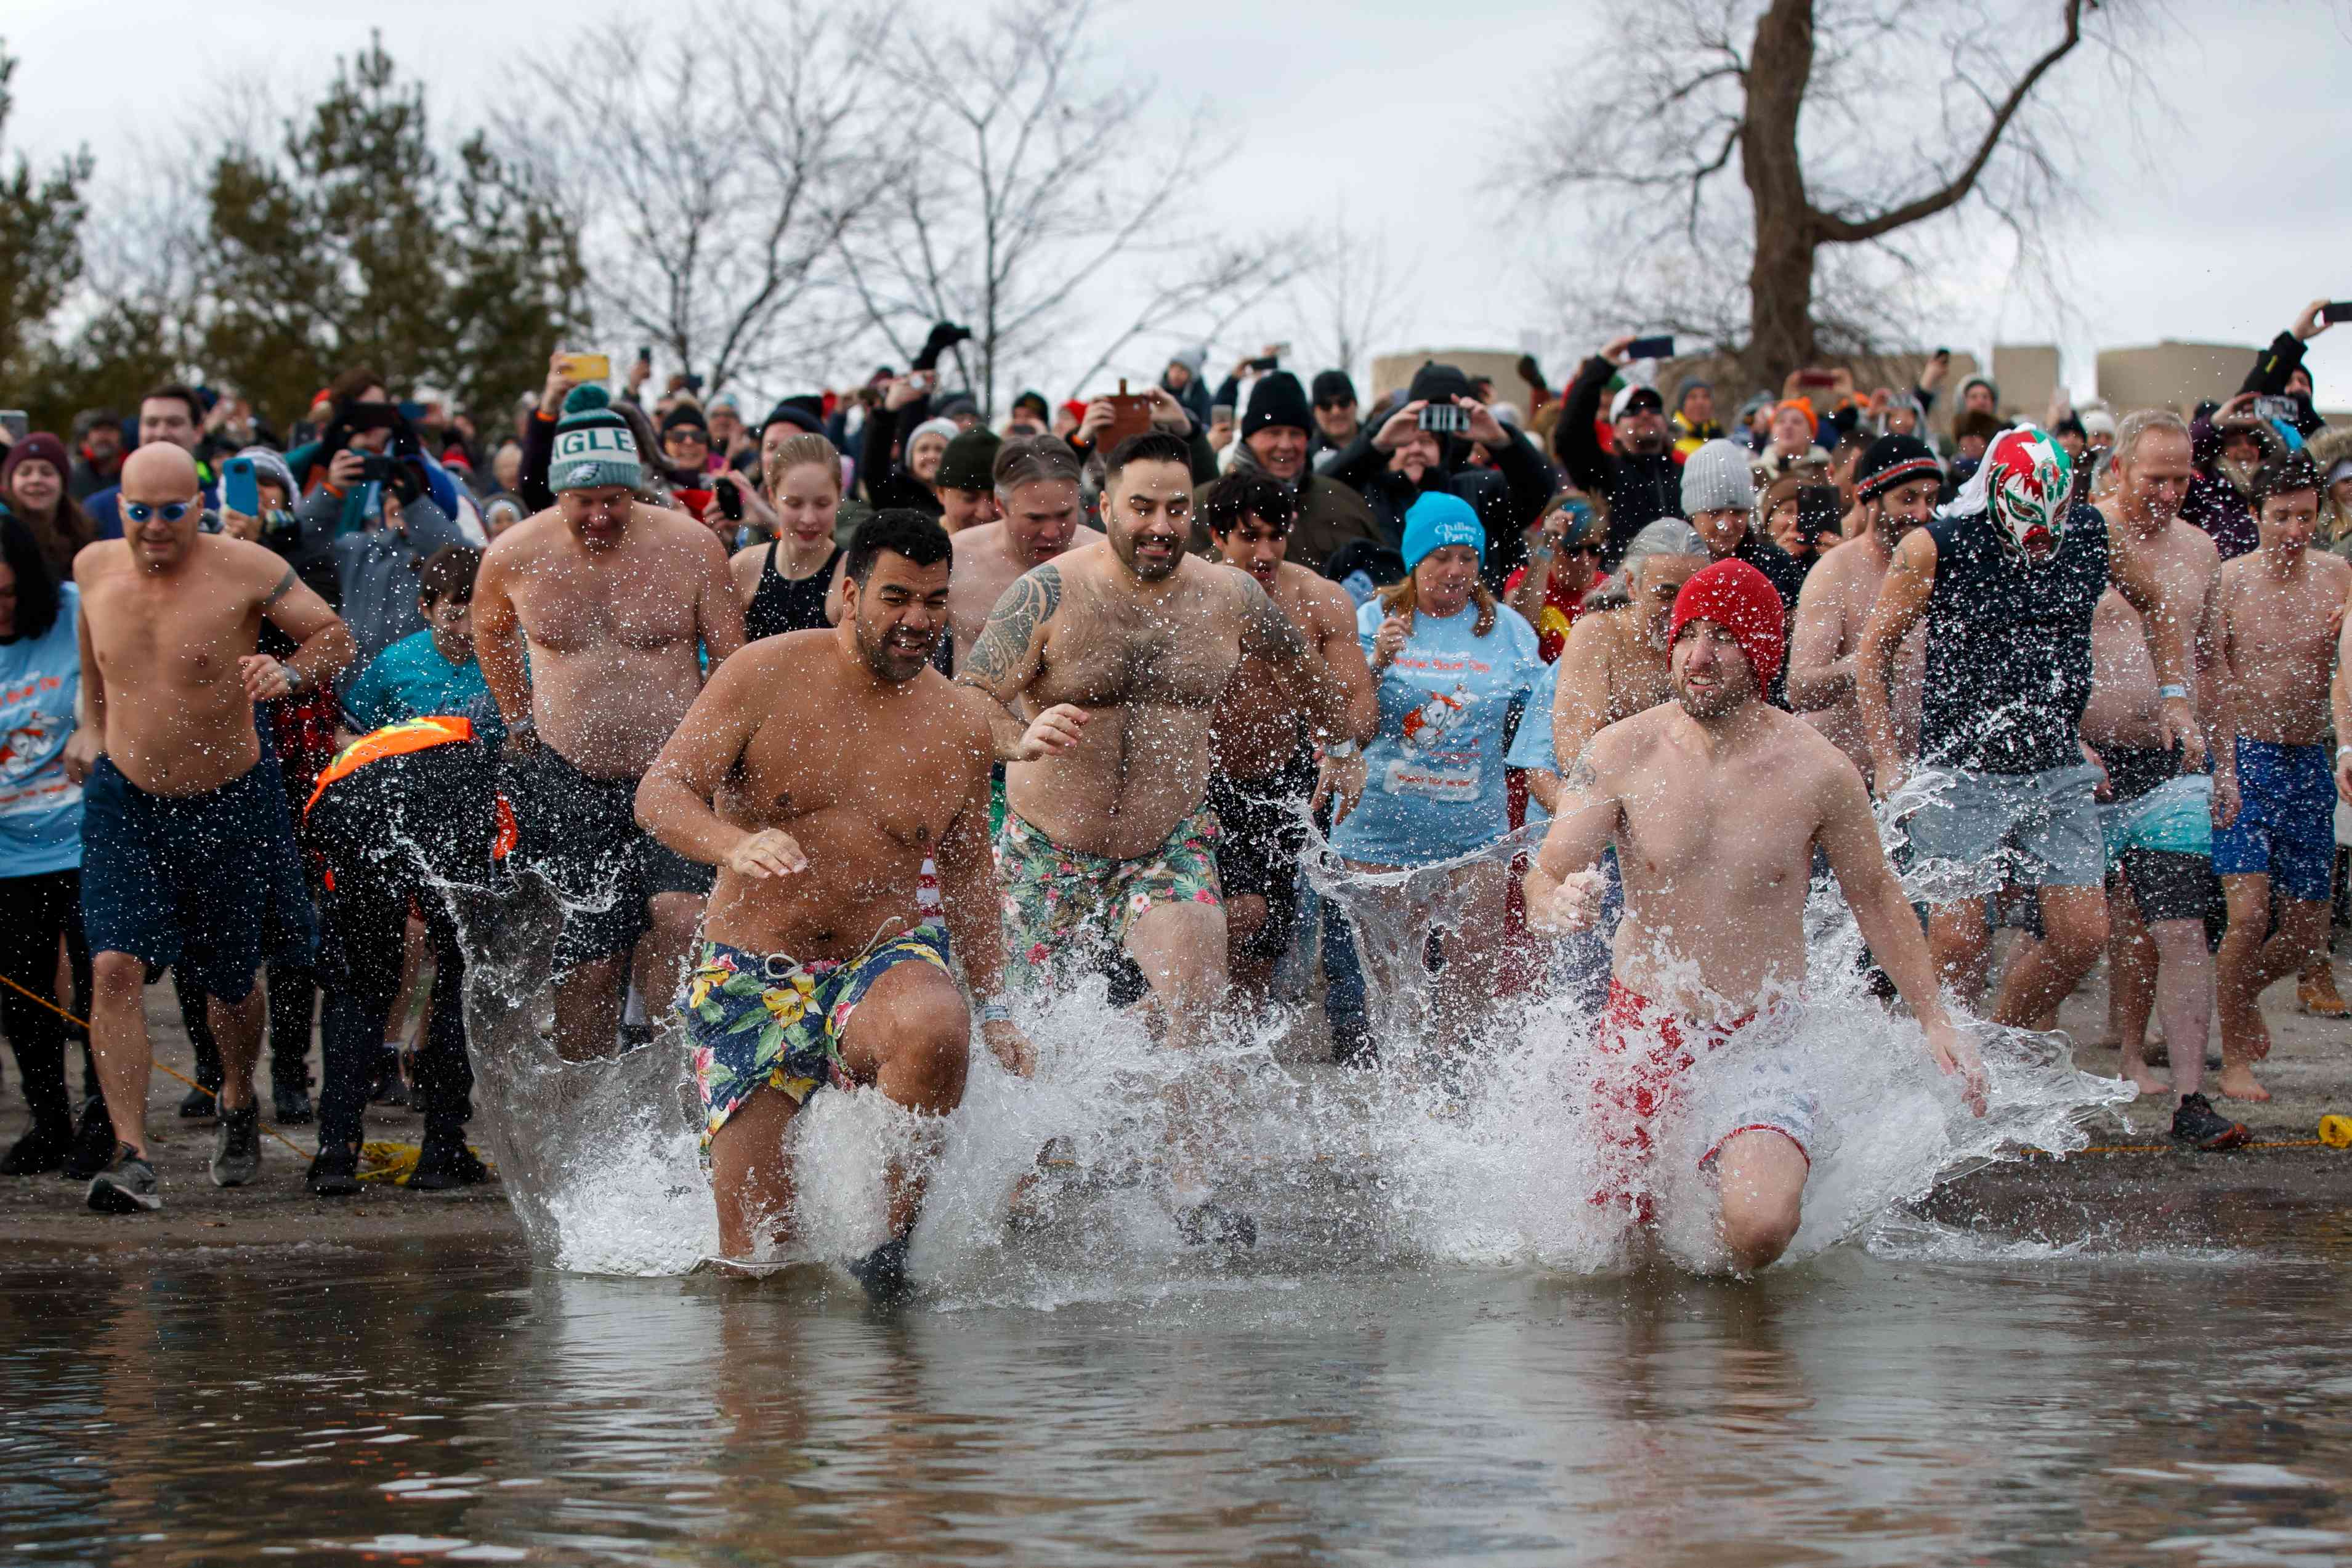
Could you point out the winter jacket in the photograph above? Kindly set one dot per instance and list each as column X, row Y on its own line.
column 375, row 568
column 2272, row 367
column 1641, row 488
column 2214, row 501
column 1508, row 496
column 86, row 482
column 887, row 482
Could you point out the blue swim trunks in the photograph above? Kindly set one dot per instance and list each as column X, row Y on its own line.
column 2286, row 820
column 775, row 1023
column 209, row 884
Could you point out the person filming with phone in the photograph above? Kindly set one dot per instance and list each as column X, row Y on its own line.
column 1640, row 479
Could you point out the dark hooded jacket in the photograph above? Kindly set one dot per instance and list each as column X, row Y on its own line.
column 1508, row 496
column 1641, row 487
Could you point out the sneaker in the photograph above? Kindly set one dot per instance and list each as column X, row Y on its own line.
column 1351, row 1044
column 443, row 1164
column 93, row 1144
column 2200, row 1126
column 127, row 1185
column 2316, row 994
column 883, row 1273
column 1214, row 1225
column 290, row 1106
column 42, row 1148
column 199, row 1103
column 335, row 1172
column 236, row 1147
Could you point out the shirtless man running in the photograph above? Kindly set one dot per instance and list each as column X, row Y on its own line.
column 1037, row 494
column 2282, row 607
column 1894, row 485
column 1268, row 778
column 188, row 851
column 1716, row 804
column 1123, row 649
column 846, row 762
column 617, row 601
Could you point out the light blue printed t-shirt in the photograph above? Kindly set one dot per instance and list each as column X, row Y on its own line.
column 1433, row 773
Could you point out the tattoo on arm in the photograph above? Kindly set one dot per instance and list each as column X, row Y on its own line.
column 1003, row 644
column 285, row 586
column 1580, row 778
column 1269, row 630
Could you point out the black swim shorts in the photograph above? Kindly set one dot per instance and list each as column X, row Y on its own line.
column 1261, row 832
column 582, row 835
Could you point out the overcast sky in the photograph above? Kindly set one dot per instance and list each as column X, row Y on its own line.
column 2219, row 225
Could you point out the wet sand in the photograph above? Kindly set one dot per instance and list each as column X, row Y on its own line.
column 2162, row 1196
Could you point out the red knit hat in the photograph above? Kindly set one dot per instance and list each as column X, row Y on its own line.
column 1742, row 601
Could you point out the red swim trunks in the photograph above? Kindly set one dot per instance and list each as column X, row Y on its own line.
column 1648, row 1051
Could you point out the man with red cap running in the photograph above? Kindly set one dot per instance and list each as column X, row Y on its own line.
column 1715, row 803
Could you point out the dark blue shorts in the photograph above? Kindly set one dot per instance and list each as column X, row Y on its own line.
column 2286, row 828
column 210, row 884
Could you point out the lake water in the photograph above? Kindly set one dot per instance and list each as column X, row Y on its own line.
column 1929, row 1395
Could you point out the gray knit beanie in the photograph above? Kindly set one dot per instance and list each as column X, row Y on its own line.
column 1716, row 478
column 594, row 447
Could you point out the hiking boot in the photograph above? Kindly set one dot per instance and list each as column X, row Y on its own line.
column 93, row 1143
column 200, row 1104
column 335, row 1172
column 2316, row 994
column 236, row 1147
column 1214, row 1225
column 127, row 1185
column 443, row 1164
column 883, row 1273
column 2198, row 1125
column 42, row 1148
column 1351, row 1044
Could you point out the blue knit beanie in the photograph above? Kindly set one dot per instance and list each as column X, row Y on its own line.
column 1439, row 518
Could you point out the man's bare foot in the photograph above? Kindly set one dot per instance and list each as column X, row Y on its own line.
column 2143, row 1077
column 2237, row 1082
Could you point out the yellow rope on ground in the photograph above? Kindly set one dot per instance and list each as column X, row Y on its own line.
column 382, row 1161
column 159, row 1067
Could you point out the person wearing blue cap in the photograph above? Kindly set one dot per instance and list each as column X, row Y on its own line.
column 1449, row 663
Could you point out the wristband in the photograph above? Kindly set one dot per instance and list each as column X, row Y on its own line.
column 2342, row 753
column 2168, row 692
column 293, row 678
column 995, row 1010
column 1339, row 751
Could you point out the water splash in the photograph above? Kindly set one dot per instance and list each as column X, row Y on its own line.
column 1055, row 1189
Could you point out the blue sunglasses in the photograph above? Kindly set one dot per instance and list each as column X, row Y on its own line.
column 139, row 512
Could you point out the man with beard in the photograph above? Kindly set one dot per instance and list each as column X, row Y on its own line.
column 1640, row 477
column 1267, row 775
column 1716, row 804
column 1275, row 431
column 845, row 761
column 2007, row 579
column 1894, row 486
column 620, row 603
column 1123, row 649
column 1036, row 487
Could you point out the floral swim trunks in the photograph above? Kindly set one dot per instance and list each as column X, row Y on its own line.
column 1066, row 908
column 775, row 1022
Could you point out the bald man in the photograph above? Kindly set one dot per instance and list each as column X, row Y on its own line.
column 188, row 857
